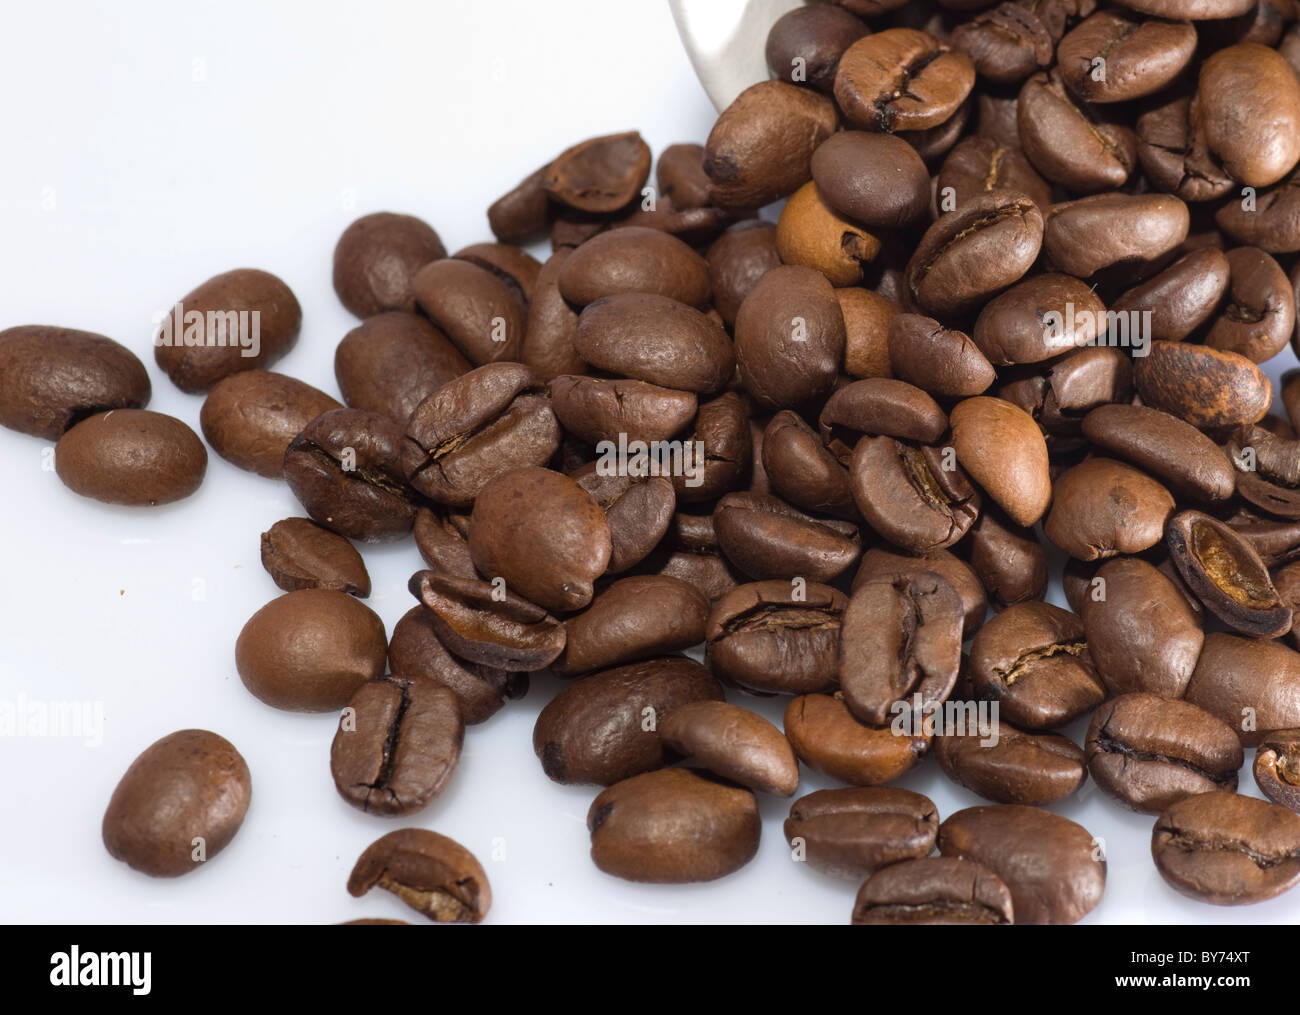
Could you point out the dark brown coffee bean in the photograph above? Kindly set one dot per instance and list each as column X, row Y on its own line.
column 673, row 827
column 1259, row 317
column 597, row 409
column 882, row 562
column 681, row 178
column 634, row 618
column 242, row 320
column 1102, row 507
column 299, row 554
column 1227, row 849
column 1026, row 324
column 638, row 511
column 1006, row 44
column 601, row 174
column 635, row 259
column 1277, row 768
column 802, row 471
column 1269, row 220
column 934, row 890
column 473, row 308
column 996, row 119
column 548, row 335
column 392, row 362
column 724, row 450
column 767, row 538
column 1063, row 393
column 875, row 179
column 879, row 406
column 804, row 45
column 131, row 456
column 942, row 362
column 1194, row 10
column 1267, row 470
column 776, row 636
column 1083, row 148
column 513, row 265
column 1250, row 98
column 440, row 538
column 429, row 872
column 178, row 805
column 910, row 495
column 377, row 256
column 397, row 744
column 251, row 417
column 901, row 79
column 1150, row 752
column 1008, row 558
column 1205, row 387
column 851, row 833
column 346, row 469
column 1252, row 685
column 309, row 651
column 1002, row 764
column 476, row 427
column 1182, row 297
column 522, row 213
column 1053, row 867
column 51, row 378
column 979, row 164
column 737, row 260
column 734, row 743
column 1002, row 449
column 828, row 739
column 761, row 147
column 1033, row 659
column 1082, row 237
column 1175, row 152
column 1138, row 57
column 1175, row 452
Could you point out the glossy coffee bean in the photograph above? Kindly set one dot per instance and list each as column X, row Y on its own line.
column 802, row 471
column 1250, row 99
column 1204, row 387
column 901, row 79
column 429, row 872
column 1182, row 297
column 513, row 265
column 1252, row 685
column 942, row 362
column 1102, row 507
column 1011, row 327
column 1164, row 446
column 851, row 833
column 917, row 498
column 766, row 538
column 883, row 562
column 1009, row 560
column 867, row 317
column 879, row 406
column 829, row 740
column 734, row 743
column 1175, row 151
column 393, row 361
column 1083, row 148
column 1258, row 318
column 980, row 164
column 871, row 178
column 377, row 256
column 596, row 409
column 804, row 45
column 1271, row 221
column 1008, row 766
column 131, row 456
column 1139, row 56
column 1003, row 451
column 811, row 233
column 634, row 618
column 681, row 177
column 934, row 890
column 737, row 260
column 473, row 307
column 601, row 174
column 634, row 259
column 299, row 554
column 1277, row 768
column 1082, row 237
column 637, row 510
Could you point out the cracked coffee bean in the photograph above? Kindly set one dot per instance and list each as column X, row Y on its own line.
column 299, row 554
column 429, row 872
column 934, row 890
column 1008, row 766
column 1277, row 768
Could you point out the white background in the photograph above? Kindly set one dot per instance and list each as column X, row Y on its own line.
column 149, row 146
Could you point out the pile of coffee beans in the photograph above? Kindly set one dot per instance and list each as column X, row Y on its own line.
column 1006, row 327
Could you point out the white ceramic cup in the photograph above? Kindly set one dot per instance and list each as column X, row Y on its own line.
column 725, row 40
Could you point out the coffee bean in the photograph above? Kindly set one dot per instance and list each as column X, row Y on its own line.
column 1267, row 476
column 251, row 417
column 901, row 79
column 851, row 833
column 1079, row 146
column 429, row 872
column 766, row 538
column 1270, row 222
column 1277, row 768
column 601, row 174
column 882, row 562
column 1204, row 387
column 980, row 164
column 52, row 378
column 522, row 213
column 1227, row 849
column 1006, row 44
column 934, row 890
column 1175, row 152
column 637, row 510
column 634, row 618
column 1102, row 507
column 377, row 256
column 596, row 409
column 879, row 406
column 867, row 319
column 1180, row 456
column 513, row 265
column 131, row 456
column 1259, row 316
column 1010, row 328
column 942, row 362
column 737, row 260
column 1007, row 766
column 1004, row 452
column 1008, row 558
column 1252, row 685
column 1053, row 867
column 1138, row 57
column 178, row 805
column 804, row 45
column 1182, row 297
column 875, row 179
column 393, row 361
column 812, row 234
column 722, row 434
column 829, row 740
column 634, row 259
column 681, row 177
column 1082, row 237
column 473, row 308
column 299, row 554
column 548, row 334
column 440, row 538
column 733, row 743
column 1250, row 99
column 802, row 471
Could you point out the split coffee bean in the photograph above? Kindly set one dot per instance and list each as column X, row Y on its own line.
column 299, row 554
column 1277, row 768
column 431, row 873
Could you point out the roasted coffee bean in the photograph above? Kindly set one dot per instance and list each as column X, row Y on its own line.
column 980, row 164
column 392, row 362
column 789, row 338
column 1194, row 10
column 251, row 417
column 1270, row 221
column 1175, row 152
column 1227, row 849
column 1027, row 323
column 942, row 362
column 1204, row 387
column 737, row 260
column 1002, row 449
column 900, row 638
column 1071, row 143
column 299, row 554
column 522, row 213
column 767, row 538
column 543, row 534
column 346, row 469
column 52, row 378
column 600, row 175
column 851, row 833
column 773, row 636
column 901, row 79
column 1252, row 685
column 917, row 498
column 131, row 456
column 178, row 805
column 1059, row 395
column 377, row 256
column 1259, row 316
column 875, row 179
column 440, row 538
column 476, row 427
column 734, row 743
column 243, row 320
column 828, row 739
column 473, row 308
column 397, row 744
column 1276, row 541
column 1006, row 43
column 724, row 450
column 1002, row 764
column 1102, row 507
column 1277, row 768
column 638, row 512
column 804, row 45
column 879, row 406
column 655, row 339
column 761, row 147
column 810, row 233
column 1082, row 237
column 635, row 259
column 1180, row 456
column 1268, row 470
column 934, row 890
column 675, row 826
column 1250, row 99
column 429, row 872
column 1150, row 752
column 681, row 178
column 1138, row 56
column 975, row 252
column 1052, row 866
column 309, row 651
column 596, row 409
column 513, row 265
column 1033, row 659
column 1010, row 562
column 548, row 335
column 867, row 319
column 802, row 471
column 1182, row 297
column 882, row 562
column 634, row 618
column 1226, row 574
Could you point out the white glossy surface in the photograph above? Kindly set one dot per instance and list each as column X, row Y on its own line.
column 725, row 40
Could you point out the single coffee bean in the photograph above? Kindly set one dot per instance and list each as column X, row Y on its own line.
column 299, row 554
column 942, row 362
column 251, row 417
column 804, row 45
column 1180, row 456
column 601, row 175
column 980, row 164
column 346, row 469
column 522, row 213
column 1276, row 541
column 1102, row 507
column 1150, row 752
column 1182, row 297
column 1026, row 324
column 1267, row 472
column 883, row 562
column 1007, row 766
column 476, row 427
column 1250, row 98
column 1252, row 685
column 829, row 740
column 1061, row 393
column 637, row 510
column 1053, row 866
column 377, row 256
column 548, row 334
column 681, row 177
column 131, row 456
column 875, row 179
column 51, row 378
column 1227, row 849
column 1270, row 220
column 1003, row 450
column 1138, row 57
column 901, row 79
column 802, row 471
column 917, row 498
column 178, row 805
column 397, row 744
column 1082, row 148
column 309, row 651
column 851, row 833
column 766, row 538
column 1259, row 316
column 1082, row 237
column 1194, row 10
column 1006, row 44
column 934, row 890
column 1277, row 768
column 1010, row 562
column 634, row 618
column 879, row 406
column 674, row 826
column 776, row 636
column 241, row 320
column 634, row 259
column 1033, row 659
column 1175, row 151
column 737, row 260
column 429, row 872
column 596, row 409
column 734, row 743
column 473, row 308
column 1226, row 574
column 440, row 538
column 480, row 625
column 809, row 232
column 724, row 450
column 393, row 361
column 1204, row 387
